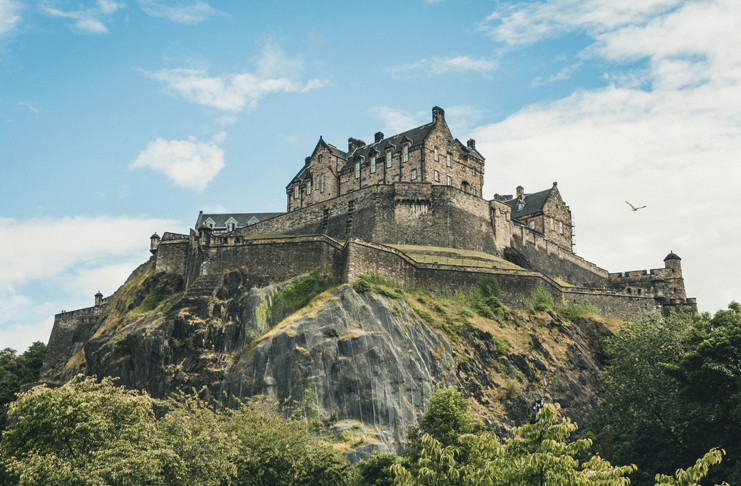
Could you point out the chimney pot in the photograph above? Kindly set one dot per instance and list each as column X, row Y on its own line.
column 520, row 192
column 379, row 136
column 471, row 143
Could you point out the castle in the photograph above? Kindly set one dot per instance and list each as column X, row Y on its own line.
column 409, row 207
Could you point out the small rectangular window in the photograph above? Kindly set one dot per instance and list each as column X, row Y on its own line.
column 308, row 188
column 373, row 164
column 405, row 153
column 357, row 170
column 436, row 155
column 414, row 174
column 450, row 181
column 552, row 228
column 560, row 224
column 532, row 224
column 396, row 178
column 437, row 176
column 295, row 191
column 448, row 160
column 322, row 184
column 388, row 159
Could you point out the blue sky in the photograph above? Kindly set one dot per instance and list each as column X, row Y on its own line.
column 118, row 119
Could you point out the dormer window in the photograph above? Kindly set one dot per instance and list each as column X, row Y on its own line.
column 308, row 188
column 373, row 164
column 295, row 191
column 448, row 160
column 405, row 153
column 436, row 155
column 388, row 159
column 357, row 170
column 230, row 226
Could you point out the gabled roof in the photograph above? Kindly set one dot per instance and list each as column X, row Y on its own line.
column 242, row 219
column 302, row 175
column 533, row 203
column 415, row 136
column 470, row 150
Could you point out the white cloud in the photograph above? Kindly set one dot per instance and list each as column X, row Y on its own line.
column 442, row 65
column 29, row 106
column 177, row 11
column 187, row 163
column 72, row 258
column 674, row 147
column 396, row 121
column 88, row 20
column 9, row 16
column 234, row 92
column 525, row 23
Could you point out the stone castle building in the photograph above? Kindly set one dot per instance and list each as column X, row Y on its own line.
column 378, row 207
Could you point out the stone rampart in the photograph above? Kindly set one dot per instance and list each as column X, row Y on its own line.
column 531, row 250
column 71, row 329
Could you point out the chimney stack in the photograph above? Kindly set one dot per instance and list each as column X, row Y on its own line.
column 520, row 192
column 307, row 160
column 471, row 143
column 379, row 136
column 438, row 114
column 354, row 143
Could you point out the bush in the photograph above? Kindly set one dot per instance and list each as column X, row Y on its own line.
column 489, row 287
column 512, row 389
column 539, row 300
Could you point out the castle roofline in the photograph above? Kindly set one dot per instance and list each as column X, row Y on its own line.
column 672, row 256
column 533, row 203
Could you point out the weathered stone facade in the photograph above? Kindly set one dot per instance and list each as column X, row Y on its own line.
column 426, row 154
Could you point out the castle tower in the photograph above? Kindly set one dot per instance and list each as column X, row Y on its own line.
column 154, row 242
column 674, row 282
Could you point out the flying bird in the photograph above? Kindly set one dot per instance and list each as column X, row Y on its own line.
column 633, row 207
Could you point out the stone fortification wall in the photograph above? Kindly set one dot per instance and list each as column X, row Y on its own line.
column 364, row 257
column 172, row 253
column 71, row 329
column 531, row 250
column 278, row 259
column 401, row 213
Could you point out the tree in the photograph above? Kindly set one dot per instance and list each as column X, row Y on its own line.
column 84, row 433
column 376, row 471
column 16, row 371
column 274, row 450
column 447, row 418
column 539, row 455
column 672, row 390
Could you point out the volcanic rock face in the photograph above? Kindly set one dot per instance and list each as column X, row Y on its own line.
column 363, row 364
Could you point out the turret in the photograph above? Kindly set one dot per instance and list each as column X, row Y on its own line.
column 154, row 242
column 673, row 262
column 205, row 234
column 98, row 299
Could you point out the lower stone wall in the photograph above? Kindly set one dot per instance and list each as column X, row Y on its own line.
column 276, row 260
column 612, row 304
column 531, row 250
column 70, row 330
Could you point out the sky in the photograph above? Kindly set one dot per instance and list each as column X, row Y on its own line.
column 122, row 118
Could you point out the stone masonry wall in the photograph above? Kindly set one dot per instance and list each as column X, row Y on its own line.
column 172, row 254
column 533, row 251
column 70, row 330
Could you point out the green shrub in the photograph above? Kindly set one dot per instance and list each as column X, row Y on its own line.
column 332, row 333
column 361, row 286
column 152, row 300
column 489, row 287
column 576, row 311
column 512, row 389
column 539, row 300
column 502, row 346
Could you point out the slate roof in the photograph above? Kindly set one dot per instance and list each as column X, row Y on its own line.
column 241, row 218
column 533, row 203
column 415, row 136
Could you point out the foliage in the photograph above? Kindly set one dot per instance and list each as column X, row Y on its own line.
column 512, row 388
column 153, row 299
column 85, row 433
column 489, row 287
column 16, row 371
column 672, row 391
column 574, row 311
column 299, row 292
column 539, row 454
column 376, row 471
column 447, row 418
column 692, row 475
column 539, row 300
column 277, row 451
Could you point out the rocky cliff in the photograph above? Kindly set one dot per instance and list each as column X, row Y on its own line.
column 360, row 364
